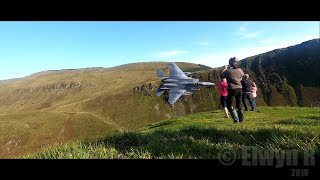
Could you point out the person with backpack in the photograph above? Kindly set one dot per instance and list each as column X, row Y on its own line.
column 223, row 90
column 234, row 75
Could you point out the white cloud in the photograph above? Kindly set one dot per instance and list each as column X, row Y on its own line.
column 221, row 58
column 167, row 54
column 243, row 27
column 308, row 37
column 267, row 41
column 204, row 43
column 244, row 33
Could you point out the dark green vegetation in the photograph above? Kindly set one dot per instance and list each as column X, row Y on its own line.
column 289, row 75
column 204, row 135
column 54, row 107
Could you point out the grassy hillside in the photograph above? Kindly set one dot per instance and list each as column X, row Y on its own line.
column 30, row 131
column 53, row 107
column 53, row 89
column 203, row 135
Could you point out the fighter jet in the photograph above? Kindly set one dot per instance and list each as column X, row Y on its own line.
column 178, row 83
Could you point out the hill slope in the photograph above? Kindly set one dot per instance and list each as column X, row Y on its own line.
column 288, row 75
column 204, row 135
column 58, row 106
column 285, row 77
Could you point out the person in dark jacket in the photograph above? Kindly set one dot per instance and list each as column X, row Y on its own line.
column 234, row 75
column 246, row 92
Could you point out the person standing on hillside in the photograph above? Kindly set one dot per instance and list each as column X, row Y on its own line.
column 223, row 90
column 234, row 75
column 246, row 92
column 254, row 95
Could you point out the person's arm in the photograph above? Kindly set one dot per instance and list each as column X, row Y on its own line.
column 224, row 72
column 254, row 89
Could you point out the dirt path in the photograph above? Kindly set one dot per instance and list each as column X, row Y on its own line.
column 102, row 118
column 61, row 134
column 26, row 125
column 96, row 95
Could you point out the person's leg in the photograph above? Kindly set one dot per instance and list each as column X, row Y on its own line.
column 226, row 112
column 232, row 111
column 223, row 101
column 225, row 106
column 254, row 103
column 229, row 100
column 244, row 102
column 238, row 98
column 250, row 101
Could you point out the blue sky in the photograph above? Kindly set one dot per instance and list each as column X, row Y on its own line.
column 28, row 47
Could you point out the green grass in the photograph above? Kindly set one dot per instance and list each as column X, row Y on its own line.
column 202, row 135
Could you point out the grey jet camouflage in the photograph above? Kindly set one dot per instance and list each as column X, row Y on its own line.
column 178, row 83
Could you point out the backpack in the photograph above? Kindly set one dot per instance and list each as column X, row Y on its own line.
column 224, row 88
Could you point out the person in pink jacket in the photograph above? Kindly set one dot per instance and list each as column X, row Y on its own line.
column 223, row 90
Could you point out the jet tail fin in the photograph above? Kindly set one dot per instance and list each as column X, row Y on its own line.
column 160, row 74
column 159, row 92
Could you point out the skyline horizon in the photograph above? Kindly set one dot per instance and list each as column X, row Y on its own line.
column 30, row 47
column 95, row 67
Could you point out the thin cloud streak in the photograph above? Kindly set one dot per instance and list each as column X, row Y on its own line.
column 244, row 33
column 173, row 53
column 220, row 59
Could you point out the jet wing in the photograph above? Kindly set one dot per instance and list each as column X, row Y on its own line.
column 176, row 72
column 175, row 94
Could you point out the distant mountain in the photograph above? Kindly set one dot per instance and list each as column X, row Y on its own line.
column 288, row 76
column 285, row 77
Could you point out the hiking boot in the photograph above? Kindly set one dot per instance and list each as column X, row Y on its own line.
column 240, row 115
column 234, row 116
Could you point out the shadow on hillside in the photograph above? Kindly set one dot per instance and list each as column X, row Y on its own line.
column 214, row 112
column 312, row 117
column 195, row 142
column 309, row 121
column 157, row 125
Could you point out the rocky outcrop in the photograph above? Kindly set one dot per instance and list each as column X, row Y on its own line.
column 146, row 90
column 55, row 87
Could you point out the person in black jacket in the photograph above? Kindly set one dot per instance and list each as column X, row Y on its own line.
column 246, row 92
